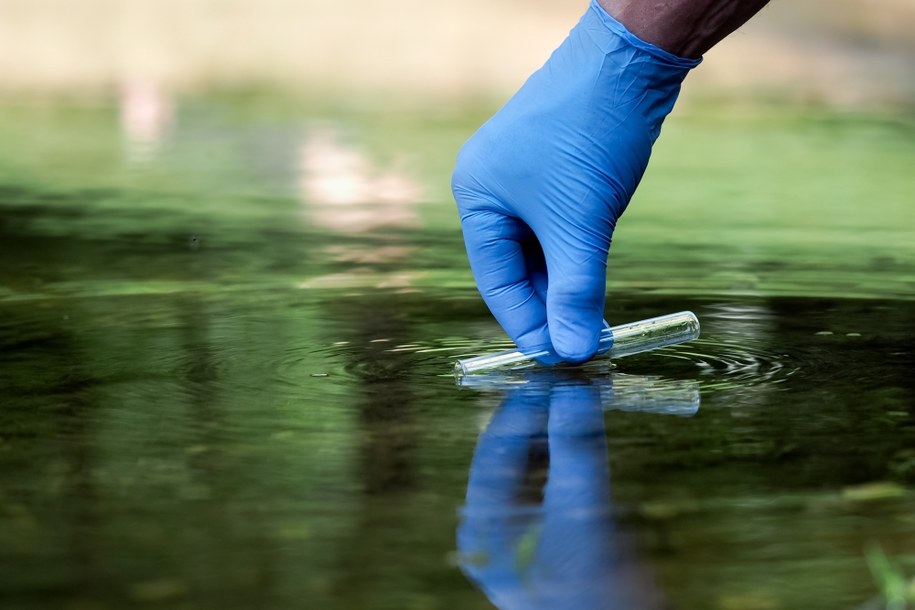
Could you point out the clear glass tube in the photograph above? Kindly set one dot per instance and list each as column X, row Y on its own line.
column 615, row 342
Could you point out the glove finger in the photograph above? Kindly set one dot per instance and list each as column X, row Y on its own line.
column 575, row 299
column 496, row 249
column 536, row 265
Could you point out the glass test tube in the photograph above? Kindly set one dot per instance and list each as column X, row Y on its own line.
column 622, row 340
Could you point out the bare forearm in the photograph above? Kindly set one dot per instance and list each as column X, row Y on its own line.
column 687, row 28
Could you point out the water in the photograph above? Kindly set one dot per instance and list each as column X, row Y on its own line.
column 226, row 341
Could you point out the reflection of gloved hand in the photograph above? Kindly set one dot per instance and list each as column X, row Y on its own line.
column 553, row 547
column 541, row 185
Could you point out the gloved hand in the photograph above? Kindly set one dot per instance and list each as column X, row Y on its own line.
column 541, row 185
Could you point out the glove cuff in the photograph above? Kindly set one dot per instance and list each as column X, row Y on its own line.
column 675, row 61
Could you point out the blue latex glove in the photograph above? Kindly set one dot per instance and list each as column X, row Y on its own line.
column 541, row 185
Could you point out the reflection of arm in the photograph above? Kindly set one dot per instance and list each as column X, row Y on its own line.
column 687, row 28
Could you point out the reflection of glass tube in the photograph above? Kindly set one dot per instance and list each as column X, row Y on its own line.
column 615, row 342
column 618, row 391
column 647, row 394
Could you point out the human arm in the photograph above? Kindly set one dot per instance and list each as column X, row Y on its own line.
column 687, row 28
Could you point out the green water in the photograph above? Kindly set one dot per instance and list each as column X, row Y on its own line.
column 225, row 356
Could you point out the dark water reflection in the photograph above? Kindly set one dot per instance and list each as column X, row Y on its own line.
column 192, row 450
column 225, row 382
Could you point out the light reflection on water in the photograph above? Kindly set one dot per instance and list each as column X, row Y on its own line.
column 226, row 380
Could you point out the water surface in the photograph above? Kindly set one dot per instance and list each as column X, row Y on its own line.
column 226, row 340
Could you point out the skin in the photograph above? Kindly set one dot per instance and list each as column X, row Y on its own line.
column 687, row 28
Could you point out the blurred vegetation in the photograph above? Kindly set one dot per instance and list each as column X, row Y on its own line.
column 896, row 591
column 758, row 200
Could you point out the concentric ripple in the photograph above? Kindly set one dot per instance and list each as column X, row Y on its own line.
column 714, row 362
column 724, row 363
